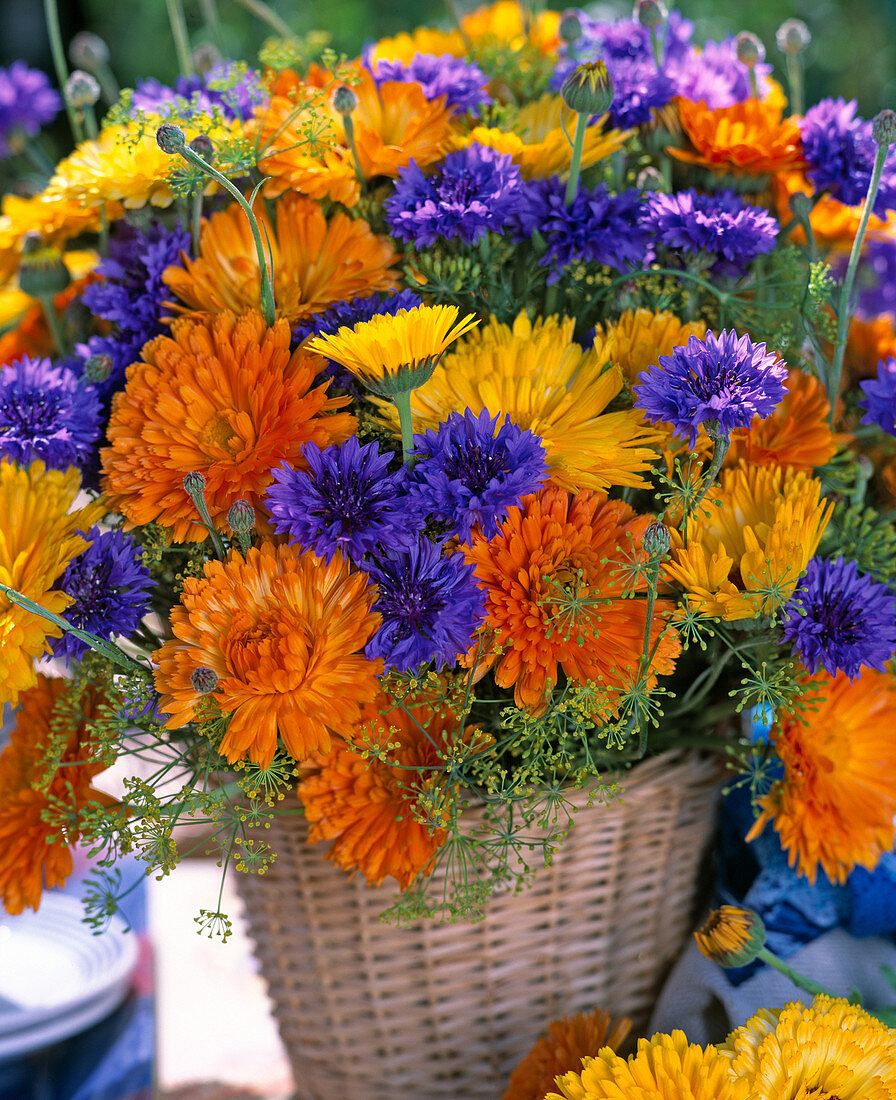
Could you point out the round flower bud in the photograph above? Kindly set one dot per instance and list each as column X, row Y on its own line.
column 650, row 179
column 655, row 540
column 88, row 51
column 344, row 100
column 204, row 679
column 570, row 27
column 42, row 273
column 203, row 145
column 650, row 13
column 170, row 138
column 241, row 517
column 731, row 936
column 588, row 90
column 194, row 483
column 81, row 89
column 792, row 37
column 205, row 57
column 750, row 50
column 883, row 127
column 98, row 368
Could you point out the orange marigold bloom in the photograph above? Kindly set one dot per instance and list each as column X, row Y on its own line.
column 222, row 396
column 282, row 631
column 385, row 813
column 555, row 595
column 33, row 853
column 749, row 138
column 867, row 343
column 567, row 1042
column 833, row 224
column 316, row 262
column 797, row 434
column 834, row 806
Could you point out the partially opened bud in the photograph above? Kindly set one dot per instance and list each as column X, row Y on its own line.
column 42, row 272
column 98, row 368
column 883, row 127
column 588, row 89
column 731, row 936
column 204, row 679
column 170, row 138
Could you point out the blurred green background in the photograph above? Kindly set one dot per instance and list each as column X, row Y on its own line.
column 853, row 51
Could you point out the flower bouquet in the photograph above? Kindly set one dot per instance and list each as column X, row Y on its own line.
column 408, row 444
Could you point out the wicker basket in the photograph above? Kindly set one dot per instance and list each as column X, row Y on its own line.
column 368, row 1011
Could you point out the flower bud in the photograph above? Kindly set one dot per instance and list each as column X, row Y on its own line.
column 98, row 368
column 655, row 540
column 731, row 936
column 81, row 89
column 800, row 204
column 194, row 483
column 203, row 145
column 651, row 14
column 750, row 50
column 204, row 679
column 570, row 28
column 793, row 37
column 170, row 138
column 344, row 100
column 241, row 517
column 650, row 179
column 883, row 127
column 588, row 90
column 205, row 57
column 88, row 51
column 42, row 273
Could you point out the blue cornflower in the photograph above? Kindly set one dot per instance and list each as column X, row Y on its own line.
column 714, row 74
column 470, row 475
column 840, row 619
column 840, row 151
column 110, row 588
column 27, row 102
column 46, row 412
column 877, row 274
column 474, row 190
column 722, row 227
column 726, row 378
column 229, row 87
column 430, row 604
column 599, row 227
column 347, row 500
column 879, row 402
column 463, row 84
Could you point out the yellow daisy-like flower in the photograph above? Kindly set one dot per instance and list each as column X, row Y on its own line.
column 731, row 936
column 38, row 538
column 666, row 1067
column 395, row 353
column 829, row 1050
column 538, row 142
column 14, row 302
column 536, row 376
column 750, row 542
column 642, row 335
column 56, row 218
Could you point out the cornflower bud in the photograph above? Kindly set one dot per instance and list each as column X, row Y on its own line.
column 570, row 27
column 656, row 540
column 205, row 57
column 203, row 145
column 883, row 127
column 170, row 138
column 731, row 936
column 194, row 483
column 344, row 100
column 588, row 90
column 241, row 517
column 98, row 368
column 793, row 37
column 42, row 273
column 650, row 179
column 81, row 89
column 651, row 14
column 750, row 50
column 204, row 679
column 88, row 51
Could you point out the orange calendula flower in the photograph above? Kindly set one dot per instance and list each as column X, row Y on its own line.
column 750, row 542
column 833, row 225
column 567, row 1043
column 833, row 808
column 282, row 632
column 868, row 342
column 731, row 936
column 385, row 812
column 40, row 537
column 35, row 854
column 315, row 262
column 556, row 596
column 797, row 434
column 222, row 396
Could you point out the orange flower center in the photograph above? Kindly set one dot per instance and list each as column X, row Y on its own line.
column 219, row 434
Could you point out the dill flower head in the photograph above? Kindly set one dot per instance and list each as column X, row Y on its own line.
column 829, row 1049
column 750, row 542
column 833, row 808
column 283, row 632
column 394, row 353
column 41, row 535
column 222, row 396
column 725, row 378
column 381, row 795
column 639, row 336
column 316, row 261
column 666, row 1067
column 731, row 936
column 841, row 620
column 556, row 597
column 562, row 1049
column 535, row 376
column 34, row 853
column 879, row 401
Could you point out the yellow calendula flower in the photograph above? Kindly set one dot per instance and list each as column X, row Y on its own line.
column 731, row 936
column 642, row 335
column 14, row 302
column 55, row 217
column 749, row 543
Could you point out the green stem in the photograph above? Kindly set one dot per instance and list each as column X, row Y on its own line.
column 211, row 20
column 721, row 443
column 38, row 159
column 261, row 11
column 180, row 36
column 54, row 324
column 350, row 139
column 575, row 164
column 843, row 304
column 196, row 220
column 108, row 83
column 652, row 581
column 402, row 402
column 795, row 81
column 204, row 514
column 56, row 48
column 799, row 980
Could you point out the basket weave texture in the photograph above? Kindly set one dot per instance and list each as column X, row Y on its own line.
column 368, row 1011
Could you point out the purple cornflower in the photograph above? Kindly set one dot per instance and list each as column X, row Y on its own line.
column 347, row 501
column 474, row 190
column 27, row 102
column 229, row 87
column 726, row 378
column 877, row 278
column 599, row 227
column 110, row 585
column 714, row 74
column 470, row 475
column 724, row 228
column 47, row 413
column 430, row 604
column 879, row 402
column 840, row 151
column 463, row 84
column 840, row 619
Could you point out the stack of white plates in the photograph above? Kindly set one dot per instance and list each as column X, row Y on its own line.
column 56, row 977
